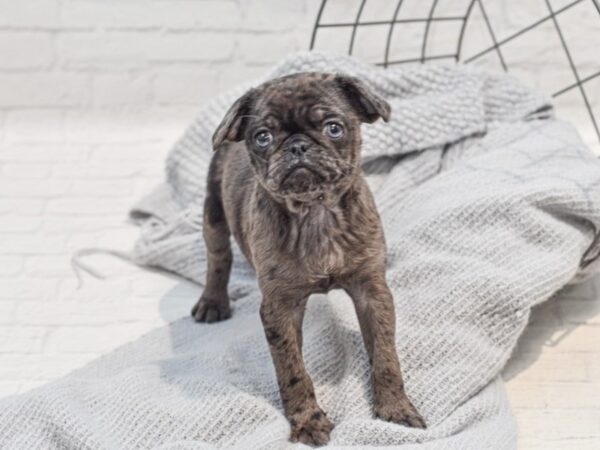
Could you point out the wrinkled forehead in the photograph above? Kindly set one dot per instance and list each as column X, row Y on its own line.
column 298, row 99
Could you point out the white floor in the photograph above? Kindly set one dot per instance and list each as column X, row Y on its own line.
column 66, row 182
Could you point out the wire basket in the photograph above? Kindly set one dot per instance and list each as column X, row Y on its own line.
column 547, row 40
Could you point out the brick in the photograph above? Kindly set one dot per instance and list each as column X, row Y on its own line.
column 19, row 224
column 232, row 75
column 78, row 339
column 30, row 367
column 33, row 244
column 94, row 13
column 35, row 125
column 121, row 238
column 154, row 152
column 111, row 267
column 110, row 126
column 191, row 86
column 7, row 312
column 83, row 206
column 32, row 288
column 272, row 15
column 95, row 171
column 25, row 171
column 43, row 153
column 67, row 224
column 93, row 289
column 82, row 240
column 206, row 46
column 95, row 50
column 267, row 49
column 65, row 313
column 131, row 50
column 33, row 188
column 121, row 90
column 22, row 206
column 207, row 14
column 16, row 339
column 10, row 265
column 2, row 125
column 101, row 188
column 9, row 387
column 43, row 89
column 52, row 266
column 31, row 14
column 25, row 50
column 153, row 172
column 141, row 15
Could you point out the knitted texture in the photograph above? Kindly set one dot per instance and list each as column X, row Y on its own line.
column 490, row 206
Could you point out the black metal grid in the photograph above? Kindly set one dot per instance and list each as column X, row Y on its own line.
column 457, row 55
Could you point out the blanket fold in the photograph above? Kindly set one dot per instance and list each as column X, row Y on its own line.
column 490, row 206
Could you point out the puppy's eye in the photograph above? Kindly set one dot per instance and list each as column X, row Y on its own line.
column 263, row 139
column 334, row 130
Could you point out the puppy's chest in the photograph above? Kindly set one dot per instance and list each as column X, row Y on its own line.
column 320, row 241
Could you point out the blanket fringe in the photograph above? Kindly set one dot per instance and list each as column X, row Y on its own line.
column 79, row 266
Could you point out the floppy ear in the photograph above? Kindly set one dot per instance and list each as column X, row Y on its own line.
column 367, row 103
column 233, row 125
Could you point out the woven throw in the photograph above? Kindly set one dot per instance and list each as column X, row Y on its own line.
column 490, row 206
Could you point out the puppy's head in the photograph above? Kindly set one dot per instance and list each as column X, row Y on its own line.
column 302, row 132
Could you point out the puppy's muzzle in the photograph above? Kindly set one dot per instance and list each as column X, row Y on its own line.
column 298, row 148
column 297, row 151
column 301, row 171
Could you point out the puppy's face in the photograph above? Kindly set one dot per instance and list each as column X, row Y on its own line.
column 302, row 132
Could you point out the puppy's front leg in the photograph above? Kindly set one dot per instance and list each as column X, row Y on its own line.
column 282, row 321
column 375, row 309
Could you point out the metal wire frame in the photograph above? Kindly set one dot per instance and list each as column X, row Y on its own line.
column 496, row 46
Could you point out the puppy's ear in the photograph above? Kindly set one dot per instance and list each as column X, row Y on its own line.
column 367, row 103
column 233, row 125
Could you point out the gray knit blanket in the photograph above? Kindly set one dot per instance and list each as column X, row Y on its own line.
column 490, row 206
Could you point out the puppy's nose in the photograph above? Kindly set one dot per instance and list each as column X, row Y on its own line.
column 298, row 148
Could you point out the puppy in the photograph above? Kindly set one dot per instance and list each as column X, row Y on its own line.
column 286, row 181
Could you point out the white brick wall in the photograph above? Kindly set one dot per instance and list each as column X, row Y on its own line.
column 74, row 54
column 93, row 93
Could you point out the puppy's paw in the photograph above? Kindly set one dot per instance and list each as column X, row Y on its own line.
column 400, row 412
column 311, row 427
column 209, row 310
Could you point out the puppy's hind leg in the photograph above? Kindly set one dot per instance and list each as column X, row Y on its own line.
column 213, row 305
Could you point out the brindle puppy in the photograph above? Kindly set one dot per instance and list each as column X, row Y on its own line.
column 287, row 183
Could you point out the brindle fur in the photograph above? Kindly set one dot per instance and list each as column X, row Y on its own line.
column 304, row 231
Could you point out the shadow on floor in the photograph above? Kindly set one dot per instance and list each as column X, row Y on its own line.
column 549, row 324
column 552, row 321
column 195, row 357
